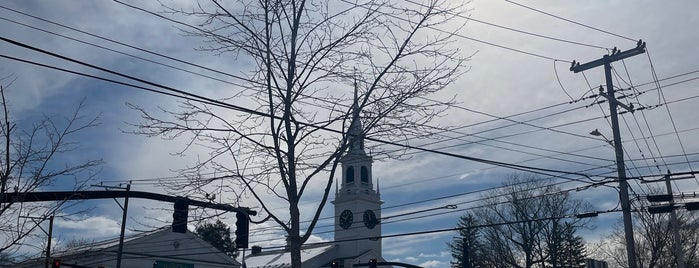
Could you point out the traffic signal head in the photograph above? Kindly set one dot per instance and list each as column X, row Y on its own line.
column 373, row 263
column 335, row 264
column 179, row 216
column 242, row 227
column 56, row 263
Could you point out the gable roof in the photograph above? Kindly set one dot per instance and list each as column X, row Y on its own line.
column 159, row 244
column 282, row 258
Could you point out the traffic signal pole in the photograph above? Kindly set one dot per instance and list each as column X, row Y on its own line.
column 82, row 195
column 606, row 61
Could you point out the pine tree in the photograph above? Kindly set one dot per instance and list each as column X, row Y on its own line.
column 573, row 248
column 470, row 236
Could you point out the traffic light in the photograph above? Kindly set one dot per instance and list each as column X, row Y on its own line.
column 56, row 263
column 335, row 264
column 242, row 227
column 179, row 216
column 373, row 263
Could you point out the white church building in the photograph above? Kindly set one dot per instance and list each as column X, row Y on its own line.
column 357, row 213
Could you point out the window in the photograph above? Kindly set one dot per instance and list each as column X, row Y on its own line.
column 364, row 174
column 349, row 175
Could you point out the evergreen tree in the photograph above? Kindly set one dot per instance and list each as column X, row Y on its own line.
column 470, row 236
column 573, row 248
column 218, row 234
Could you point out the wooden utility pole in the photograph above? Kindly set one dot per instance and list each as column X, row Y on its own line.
column 606, row 61
column 124, row 208
column 676, row 245
column 48, row 243
column 123, row 226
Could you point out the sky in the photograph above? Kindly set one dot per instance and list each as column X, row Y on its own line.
column 511, row 73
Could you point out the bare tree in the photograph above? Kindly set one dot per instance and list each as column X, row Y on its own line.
column 533, row 211
column 654, row 243
column 305, row 60
column 33, row 156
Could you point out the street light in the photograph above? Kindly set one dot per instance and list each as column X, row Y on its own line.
column 599, row 134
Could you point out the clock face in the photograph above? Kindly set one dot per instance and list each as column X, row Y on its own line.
column 346, row 219
column 370, row 220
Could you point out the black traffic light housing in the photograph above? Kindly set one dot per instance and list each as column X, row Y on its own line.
column 335, row 264
column 373, row 263
column 179, row 216
column 56, row 263
column 242, row 228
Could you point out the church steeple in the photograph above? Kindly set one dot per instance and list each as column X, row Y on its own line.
column 357, row 204
column 356, row 132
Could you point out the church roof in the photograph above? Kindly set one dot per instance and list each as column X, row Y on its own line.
column 282, row 258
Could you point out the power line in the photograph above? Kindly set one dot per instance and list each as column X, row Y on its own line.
column 467, row 37
column 122, row 53
column 124, row 44
column 192, row 26
column 207, row 100
column 571, row 21
column 213, row 78
column 516, row 30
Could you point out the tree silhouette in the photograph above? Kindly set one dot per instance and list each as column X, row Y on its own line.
column 218, row 234
column 34, row 156
column 302, row 62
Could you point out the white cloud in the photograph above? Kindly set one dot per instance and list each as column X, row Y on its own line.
column 91, row 227
column 432, row 263
column 434, row 255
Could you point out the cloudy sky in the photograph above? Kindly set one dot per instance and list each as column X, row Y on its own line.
column 519, row 72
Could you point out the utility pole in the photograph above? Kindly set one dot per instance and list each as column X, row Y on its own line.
column 676, row 246
column 48, row 243
column 123, row 219
column 606, row 61
column 49, row 234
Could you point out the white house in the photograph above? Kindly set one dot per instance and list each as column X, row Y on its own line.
column 161, row 248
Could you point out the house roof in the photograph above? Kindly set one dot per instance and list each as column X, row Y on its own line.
column 282, row 258
column 158, row 244
column 105, row 244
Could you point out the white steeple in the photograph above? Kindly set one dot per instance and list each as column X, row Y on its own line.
column 357, row 203
column 356, row 132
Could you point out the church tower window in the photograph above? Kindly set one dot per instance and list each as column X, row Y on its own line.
column 364, row 174
column 349, row 175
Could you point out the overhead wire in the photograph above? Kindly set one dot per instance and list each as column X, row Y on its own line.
column 120, row 52
column 683, row 148
column 255, row 112
column 672, row 121
column 469, row 18
column 571, row 21
column 190, row 25
column 111, row 40
column 150, row 52
column 89, row 33
column 466, row 37
column 495, row 203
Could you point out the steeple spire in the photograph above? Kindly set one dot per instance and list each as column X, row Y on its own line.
column 356, row 133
